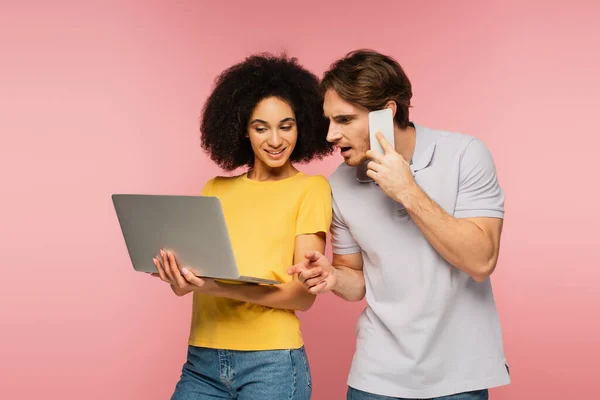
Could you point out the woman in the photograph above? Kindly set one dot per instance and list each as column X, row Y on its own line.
column 245, row 342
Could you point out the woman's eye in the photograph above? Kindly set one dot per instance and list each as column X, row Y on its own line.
column 260, row 130
column 286, row 127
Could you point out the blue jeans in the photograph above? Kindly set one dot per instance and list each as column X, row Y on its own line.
column 354, row 394
column 244, row 375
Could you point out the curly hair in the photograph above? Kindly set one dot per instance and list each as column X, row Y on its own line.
column 240, row 88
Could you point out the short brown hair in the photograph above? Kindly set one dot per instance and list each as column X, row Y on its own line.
column 370, row 79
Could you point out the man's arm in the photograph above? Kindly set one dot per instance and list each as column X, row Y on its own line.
column 349, row 278
column 345, row 277
column 470, row 240
column 470, row 244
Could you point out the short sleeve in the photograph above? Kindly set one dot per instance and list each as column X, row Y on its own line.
column 342, row 240
column 314, row 214
column 479, row 193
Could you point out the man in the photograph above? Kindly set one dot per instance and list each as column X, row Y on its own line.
column 420, row 241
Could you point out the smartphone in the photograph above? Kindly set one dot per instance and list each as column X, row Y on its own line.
column 361, row 173
column 381, row 121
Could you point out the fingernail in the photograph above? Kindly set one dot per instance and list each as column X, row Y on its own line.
column 154, row 259
column 184, row 271
column 162, row 252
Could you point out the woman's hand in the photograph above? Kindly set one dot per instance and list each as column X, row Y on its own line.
column 182, row 280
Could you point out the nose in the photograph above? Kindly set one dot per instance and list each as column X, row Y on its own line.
column 275, row 139
column 333, row 134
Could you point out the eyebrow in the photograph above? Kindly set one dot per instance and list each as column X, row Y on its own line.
column 342, row 116
column 260, row 121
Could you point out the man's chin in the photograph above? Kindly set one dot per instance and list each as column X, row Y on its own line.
column 354, row 161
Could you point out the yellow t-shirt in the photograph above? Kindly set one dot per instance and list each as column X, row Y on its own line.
column 263, row 220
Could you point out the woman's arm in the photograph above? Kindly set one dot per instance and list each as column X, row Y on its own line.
column 289, row 295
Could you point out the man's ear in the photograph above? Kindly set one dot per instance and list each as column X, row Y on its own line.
column 391, row 104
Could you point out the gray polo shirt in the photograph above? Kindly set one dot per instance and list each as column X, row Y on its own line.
column 429, row 329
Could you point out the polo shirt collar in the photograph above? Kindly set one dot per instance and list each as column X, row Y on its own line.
column 424, row 148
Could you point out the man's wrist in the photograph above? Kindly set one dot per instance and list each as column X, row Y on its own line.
column 409, row 196
column 336, row 278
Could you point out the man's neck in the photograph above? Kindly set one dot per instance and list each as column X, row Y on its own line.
column 405, row 141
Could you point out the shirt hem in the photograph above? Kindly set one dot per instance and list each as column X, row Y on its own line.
column 250, row 347
column 478, row 213
column 383, row 388
column 344, row 251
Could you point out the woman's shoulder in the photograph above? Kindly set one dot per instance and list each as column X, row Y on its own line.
column 315, row 178
column 220, row 182
column 316, row 182
column 224, row 180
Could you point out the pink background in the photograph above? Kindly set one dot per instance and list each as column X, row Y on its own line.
column 98, row 98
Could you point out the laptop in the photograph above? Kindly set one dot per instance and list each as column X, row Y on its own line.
column 192, row 226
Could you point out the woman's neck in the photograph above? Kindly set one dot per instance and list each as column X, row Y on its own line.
column 261, row 172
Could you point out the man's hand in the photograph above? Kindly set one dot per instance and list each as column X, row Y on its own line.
column 316, row 273
column 182, row 280
column 390, row 170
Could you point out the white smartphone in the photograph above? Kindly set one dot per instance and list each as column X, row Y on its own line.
column 381, row 121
